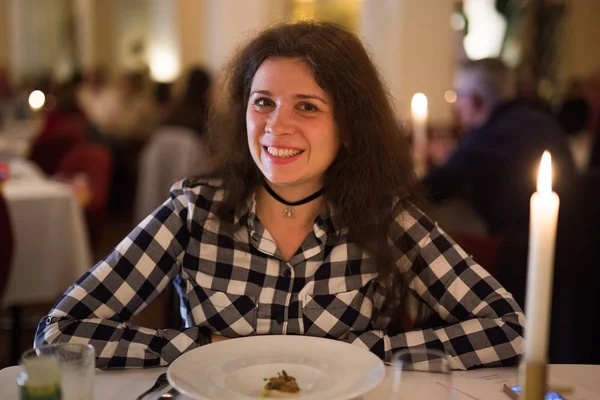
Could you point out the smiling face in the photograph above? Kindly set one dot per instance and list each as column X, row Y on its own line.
column 291, row 130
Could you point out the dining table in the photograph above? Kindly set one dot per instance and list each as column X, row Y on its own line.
column 581, row 381
column 52, row 248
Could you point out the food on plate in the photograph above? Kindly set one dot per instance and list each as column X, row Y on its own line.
column 281, row 386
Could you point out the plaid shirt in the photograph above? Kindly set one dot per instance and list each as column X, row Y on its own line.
column 233, row 280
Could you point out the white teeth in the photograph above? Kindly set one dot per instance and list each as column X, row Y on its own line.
column 283, row 152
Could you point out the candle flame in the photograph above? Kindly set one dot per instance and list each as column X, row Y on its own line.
column 544, row 183
column 37, row 99
column 419, row 104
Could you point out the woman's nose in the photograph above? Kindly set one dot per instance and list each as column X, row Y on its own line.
column 280, row 122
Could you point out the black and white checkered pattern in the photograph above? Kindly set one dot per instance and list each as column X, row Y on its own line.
column 234, row 281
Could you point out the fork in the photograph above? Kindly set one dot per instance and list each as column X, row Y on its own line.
column 160, row 383
column 171, row 394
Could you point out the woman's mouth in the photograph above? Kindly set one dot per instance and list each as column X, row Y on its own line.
column 280, row 152
column 281, row 155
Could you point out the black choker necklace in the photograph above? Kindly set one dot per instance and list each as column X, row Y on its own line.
column 288, row 212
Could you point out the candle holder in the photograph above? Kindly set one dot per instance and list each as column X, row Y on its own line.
column 532, row 379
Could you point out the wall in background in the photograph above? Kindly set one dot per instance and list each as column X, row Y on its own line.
column 343, row 12
column 413, row 45
column 4, row 33
column 580, row 53
column 231, row 22
column 133, row 25
column 38, row 36
column 411, row 41
column 192, row 20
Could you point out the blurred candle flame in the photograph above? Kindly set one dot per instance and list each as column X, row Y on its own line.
column 419, row 104
column 37, row 99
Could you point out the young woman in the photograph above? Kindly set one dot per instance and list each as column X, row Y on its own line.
column 310, row 228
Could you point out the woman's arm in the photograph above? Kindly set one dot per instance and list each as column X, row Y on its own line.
column 97, row 308
column 484, row 323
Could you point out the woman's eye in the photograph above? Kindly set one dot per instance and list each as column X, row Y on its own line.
column 263, row 102
column 307, row 107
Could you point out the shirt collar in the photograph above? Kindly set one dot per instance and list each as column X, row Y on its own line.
column 245, row 212
column 329, row 219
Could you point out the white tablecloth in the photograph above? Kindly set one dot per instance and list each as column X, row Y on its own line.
column 16, row 136
column 52, row 247
column 482, row 384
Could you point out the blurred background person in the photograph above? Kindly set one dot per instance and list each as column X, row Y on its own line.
column 129, row 113
column 191, row 110
column 587, row 286
column 93, row 99
column 178, row 148
column 125, row 119
column 495, row 170
column 63, row 127
column 66, row 117
column 493, row 166
column 6, row 95
column 573, row 112
column 592, row 95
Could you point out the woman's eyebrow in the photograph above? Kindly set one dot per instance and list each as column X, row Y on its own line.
column 298, row 96
column 310, row 96
column 265, row 92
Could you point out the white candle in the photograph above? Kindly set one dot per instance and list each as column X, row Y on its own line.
column 542, row 238
column 419, row 114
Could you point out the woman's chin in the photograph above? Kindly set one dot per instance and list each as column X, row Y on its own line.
column 282, row 180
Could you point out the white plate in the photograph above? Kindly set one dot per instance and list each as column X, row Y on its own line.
column 325, row 369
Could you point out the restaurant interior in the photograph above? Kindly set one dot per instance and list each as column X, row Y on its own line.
column 90, row 90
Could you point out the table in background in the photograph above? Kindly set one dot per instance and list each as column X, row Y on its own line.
column 52, row 248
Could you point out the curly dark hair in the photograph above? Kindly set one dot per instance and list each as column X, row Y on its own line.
column 374, row 164
column 192, row 108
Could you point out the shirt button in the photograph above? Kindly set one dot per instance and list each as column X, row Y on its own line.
column 279, row 320
column 287, row 273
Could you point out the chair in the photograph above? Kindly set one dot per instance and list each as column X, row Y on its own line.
column 580, row 271
column 484, row 249
column 173, row 153
column 95, row 162
column 49, row 152
column 6, row 246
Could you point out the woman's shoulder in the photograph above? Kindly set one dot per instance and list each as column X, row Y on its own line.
column 408, row 217
column 202, row 193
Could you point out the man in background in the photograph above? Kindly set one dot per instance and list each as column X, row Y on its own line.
column 495, row 168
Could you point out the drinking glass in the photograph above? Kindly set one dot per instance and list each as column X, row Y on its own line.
column 420, row 374
column 76, row 365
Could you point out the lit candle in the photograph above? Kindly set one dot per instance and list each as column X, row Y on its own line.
column 419, row 115
column 542, row 238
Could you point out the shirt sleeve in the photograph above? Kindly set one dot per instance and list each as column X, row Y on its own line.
column 97, row 308
column 483, row 323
